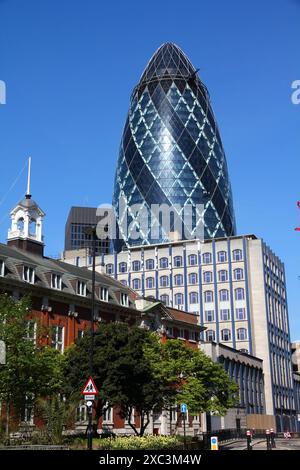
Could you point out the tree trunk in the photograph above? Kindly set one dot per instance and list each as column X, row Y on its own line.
column 130, row 423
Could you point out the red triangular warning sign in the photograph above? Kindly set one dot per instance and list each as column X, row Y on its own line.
column 90, row 388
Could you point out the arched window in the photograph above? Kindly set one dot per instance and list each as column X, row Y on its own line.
column 109, row 268
column 237, row 255
column 206, row 258
column 163, row 263
column 208, row 296
column 238, row 274
column 193, row 278
column 224, row 295
column 177, row 261
column 210, row 335
column 207, row 277
column 222, row 256
column 150, row 282
column 20, row 224
column 122, row 267
column 32, row 227
column 223, row 275
column 178, row 298
column 136, row 265
column 193, row 297
column 165, row 299
column 164, row 281
column 241, row 334
column 136, row 284
column 178, row 280
column 149, row 264
column 239, row 293
column 192, row 259
column 226, row 335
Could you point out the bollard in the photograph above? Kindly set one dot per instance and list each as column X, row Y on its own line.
column 249, row 440
column 272, row 438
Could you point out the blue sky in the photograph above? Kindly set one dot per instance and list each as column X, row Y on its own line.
column 70, row 66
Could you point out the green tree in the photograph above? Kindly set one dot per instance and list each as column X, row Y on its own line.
column 189, row 376
column 121, row 371
column 31, row 370
column 134, row 369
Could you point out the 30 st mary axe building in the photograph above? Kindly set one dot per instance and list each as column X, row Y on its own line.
column 171, row 153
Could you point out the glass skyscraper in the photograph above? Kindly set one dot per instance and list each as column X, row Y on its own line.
column 171, row 153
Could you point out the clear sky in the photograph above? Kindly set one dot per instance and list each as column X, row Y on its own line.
column 70, row 66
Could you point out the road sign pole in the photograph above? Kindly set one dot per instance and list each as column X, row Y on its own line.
column 90, row 426
column 184, row 432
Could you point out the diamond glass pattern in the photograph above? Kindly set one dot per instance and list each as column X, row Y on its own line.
column 171, row 151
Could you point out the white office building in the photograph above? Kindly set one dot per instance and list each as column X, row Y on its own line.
column 236, row 286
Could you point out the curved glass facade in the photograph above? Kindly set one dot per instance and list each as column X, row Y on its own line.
column 171, row 152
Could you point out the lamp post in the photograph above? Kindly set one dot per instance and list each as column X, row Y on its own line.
column 91, row 231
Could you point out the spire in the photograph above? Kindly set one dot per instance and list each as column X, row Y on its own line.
column 28, row 195
column 26, row 223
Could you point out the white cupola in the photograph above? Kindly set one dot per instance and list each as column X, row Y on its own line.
column 27, row 223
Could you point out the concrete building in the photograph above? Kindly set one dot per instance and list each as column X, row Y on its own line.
column 236, row 286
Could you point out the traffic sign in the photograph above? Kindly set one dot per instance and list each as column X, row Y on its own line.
column 89, row 397
column 183, row 408
column 214, row 445
column 90, row 388
column 89, row 403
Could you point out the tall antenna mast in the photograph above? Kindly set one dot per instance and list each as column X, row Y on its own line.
column 28, row 195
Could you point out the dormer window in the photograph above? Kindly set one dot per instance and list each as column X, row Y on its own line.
column 124, row 299
column 2, row 268
column 28, row 274
column 81, row 288
column 104, row 294
column 56, row 281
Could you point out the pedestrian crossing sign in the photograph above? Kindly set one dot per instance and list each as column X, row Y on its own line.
column 90, row 388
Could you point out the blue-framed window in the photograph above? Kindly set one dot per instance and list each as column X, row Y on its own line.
column 150, row 264
column 226, row 335
column 237, row 255
column 207, row 277
column 210, row 335
column 239, row 293
column 193, row 296
column 208, row 296
column 178, row 299
column 240, row 313
column 165, row 299
column 178, row 280
column 209, row 315
column 136, row 284
column 206, row 258
column 163, row 263
column 223, row 275
column 109, row 268
column 192, row 260
column 136, row 265
column 193, row 278
column 241, row 334
column 222, row 256
column 150, row 282
column 177, row 261
column 224, row 314
column 224, row 295
column 238, row 274
column 164, row 281
column 122, row 267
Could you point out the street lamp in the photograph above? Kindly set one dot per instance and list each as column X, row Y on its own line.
column 91, row 231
